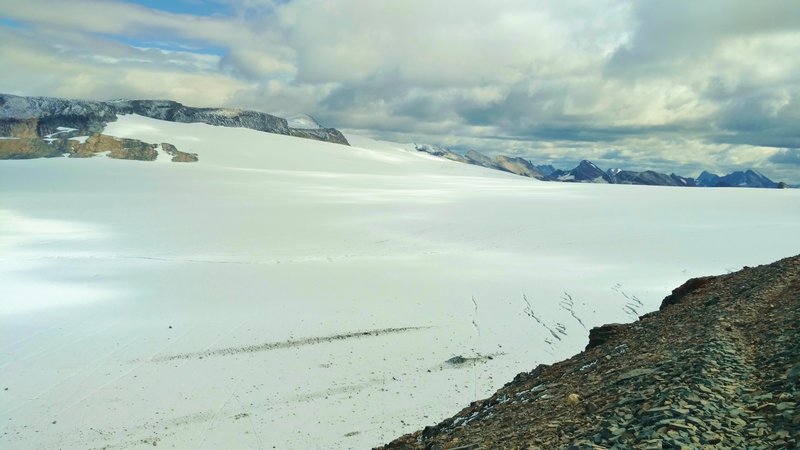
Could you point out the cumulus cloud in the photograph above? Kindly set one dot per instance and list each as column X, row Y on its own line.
column 673, row 86
column 733, row 60
column 665, row 35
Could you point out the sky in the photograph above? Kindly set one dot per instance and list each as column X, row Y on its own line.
column 676, row 86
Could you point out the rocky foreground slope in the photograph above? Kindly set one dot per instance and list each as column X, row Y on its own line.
column 717, row 367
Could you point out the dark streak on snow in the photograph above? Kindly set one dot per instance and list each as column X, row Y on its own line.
column 568, row 304
column 338, row 390
column 291, row 343
column 632, row 305
column 529, row 311
column 475, row 317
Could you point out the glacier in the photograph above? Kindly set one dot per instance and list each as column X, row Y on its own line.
column 292, row 294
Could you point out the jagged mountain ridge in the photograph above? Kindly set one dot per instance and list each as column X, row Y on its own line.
column 749, row 178
column 519, row 166
column 588, row 172
column 43, row 116
column 718, row 366
column 648, row 177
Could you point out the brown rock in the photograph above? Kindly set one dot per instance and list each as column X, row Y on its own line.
column 602, row 334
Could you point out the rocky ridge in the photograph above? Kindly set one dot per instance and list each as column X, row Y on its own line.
column 718, row 367
column 648, row 177
column 46, row 127
column 588, row 172
column 67, row 143
column 749, row 178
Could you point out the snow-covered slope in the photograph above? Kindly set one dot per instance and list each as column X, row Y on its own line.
column 302, row 121
column 297, row 294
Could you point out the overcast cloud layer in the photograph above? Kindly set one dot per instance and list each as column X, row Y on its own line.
column 673, row 86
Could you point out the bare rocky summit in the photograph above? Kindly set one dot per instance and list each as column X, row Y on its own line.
column 718, row 367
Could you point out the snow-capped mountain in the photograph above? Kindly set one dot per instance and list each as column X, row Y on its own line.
column 586, row 171
column 647, row 177
column 707, row 179
column 515, row 165
column 303, row 121
column 304, row 294
column 747, row 178
column 519, row 166
column 479, row 159
column 440, row 151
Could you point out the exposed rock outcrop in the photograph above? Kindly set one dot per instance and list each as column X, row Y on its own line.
column 648, row 177
column 29, row 148
column 601, row 335
column 717, row 367
column 21, row 128
column 682, row 291
column 518, row 166
column 224, row 117
column 118, row 148
column 441, row 152
column 320, row 134
column 178, row 156
column 479, row 159
column 20, row 116
column 86, row 147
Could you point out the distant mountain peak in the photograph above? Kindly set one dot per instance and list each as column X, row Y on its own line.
column 588, row 171
column 739, row 178
column 545, row 169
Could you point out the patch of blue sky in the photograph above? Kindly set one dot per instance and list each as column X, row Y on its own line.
column 167, row 44
column 193, row 7
column 11, row 23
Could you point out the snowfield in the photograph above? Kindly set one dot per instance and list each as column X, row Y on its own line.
column 292, row 294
